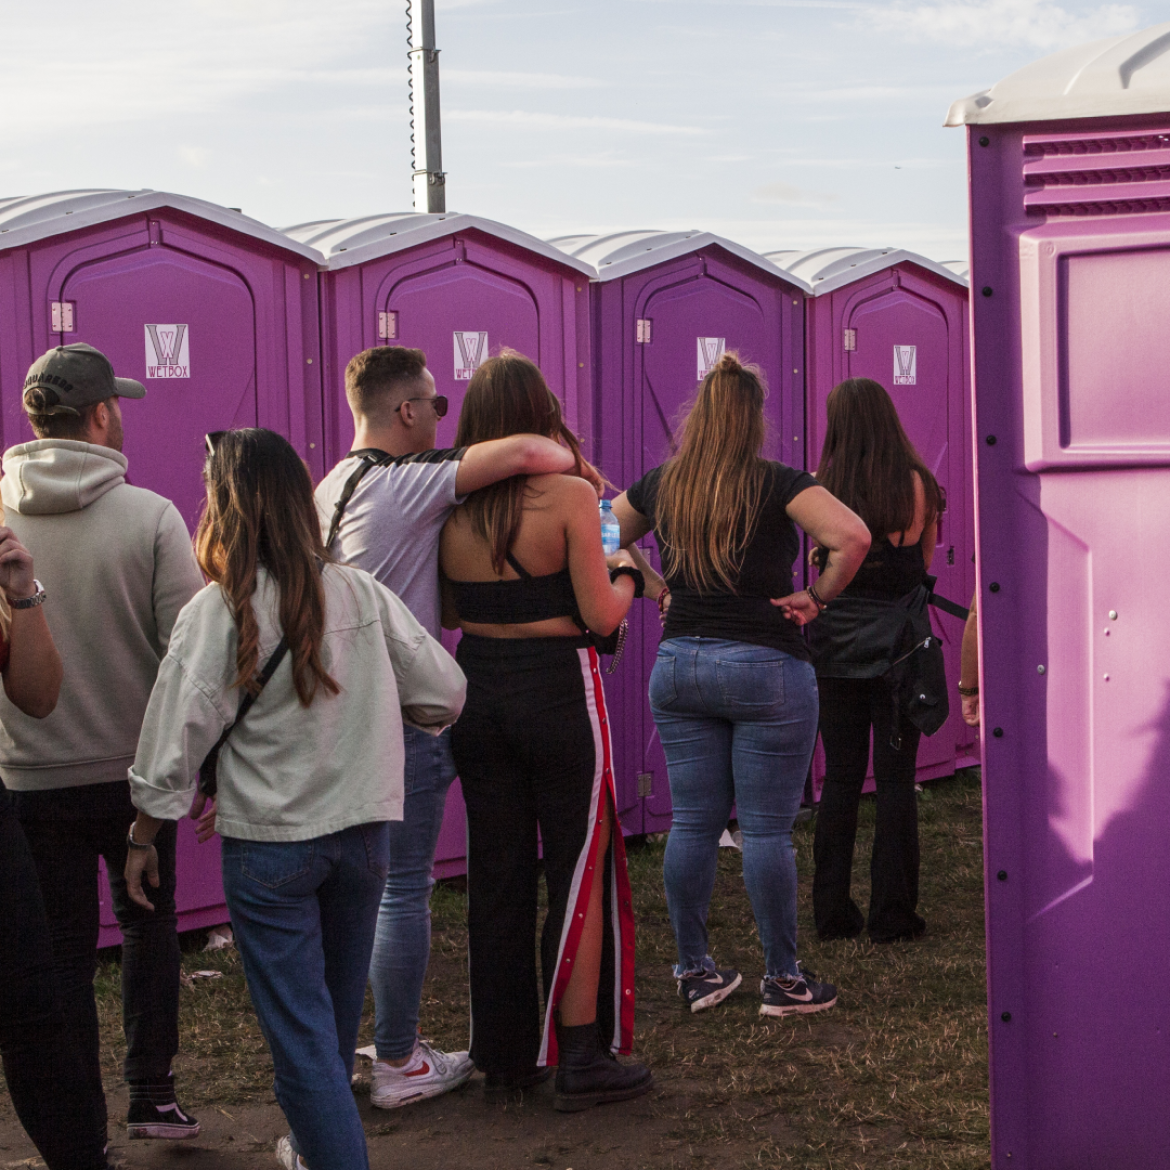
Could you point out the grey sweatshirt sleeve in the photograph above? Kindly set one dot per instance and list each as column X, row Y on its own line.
column 431, row 687
column 177, row 577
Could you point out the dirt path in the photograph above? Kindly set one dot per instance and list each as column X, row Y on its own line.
column 453, row 1132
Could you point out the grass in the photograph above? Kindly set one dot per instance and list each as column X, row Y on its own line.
column 896, row 1074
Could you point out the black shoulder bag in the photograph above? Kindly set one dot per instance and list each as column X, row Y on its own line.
column 208, row 778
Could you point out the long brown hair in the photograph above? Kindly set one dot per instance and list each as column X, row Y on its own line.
column 709, row 495
column 260, row 511
column 507, row 395
column 867, row 461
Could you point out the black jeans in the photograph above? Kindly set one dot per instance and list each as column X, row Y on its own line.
column 850, row 707
column 525, row 750
column 42, row 1063
column 68, row 829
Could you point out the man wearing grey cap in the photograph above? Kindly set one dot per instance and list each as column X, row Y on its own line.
column 118, row 564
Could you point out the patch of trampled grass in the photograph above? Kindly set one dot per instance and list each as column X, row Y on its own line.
column 896, row 1074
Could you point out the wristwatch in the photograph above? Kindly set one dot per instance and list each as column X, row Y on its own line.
column 968, row 692
column 38, row 598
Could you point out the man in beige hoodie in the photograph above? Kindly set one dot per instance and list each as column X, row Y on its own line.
column 118, row 564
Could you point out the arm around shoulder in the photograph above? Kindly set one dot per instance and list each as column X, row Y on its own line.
column 497, row 459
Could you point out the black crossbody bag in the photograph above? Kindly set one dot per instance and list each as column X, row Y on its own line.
column 208, row 770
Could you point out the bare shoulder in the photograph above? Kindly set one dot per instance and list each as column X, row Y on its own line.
column 566, row 491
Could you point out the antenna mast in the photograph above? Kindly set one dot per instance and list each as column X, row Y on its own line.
column 430, row 180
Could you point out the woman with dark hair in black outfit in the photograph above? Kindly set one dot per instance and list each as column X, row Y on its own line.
column 525, row 574
column 870, row 465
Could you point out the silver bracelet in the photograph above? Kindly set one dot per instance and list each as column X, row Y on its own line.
column 136, row 844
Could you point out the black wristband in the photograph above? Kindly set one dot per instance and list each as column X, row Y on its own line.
column 634, row 575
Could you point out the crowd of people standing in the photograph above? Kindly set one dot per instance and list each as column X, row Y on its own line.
column 283, row 681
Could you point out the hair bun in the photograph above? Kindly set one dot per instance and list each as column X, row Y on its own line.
column 729, row 363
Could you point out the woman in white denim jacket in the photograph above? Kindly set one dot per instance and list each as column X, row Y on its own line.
column 308, row 779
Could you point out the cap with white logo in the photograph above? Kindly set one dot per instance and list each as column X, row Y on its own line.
column 69, row 378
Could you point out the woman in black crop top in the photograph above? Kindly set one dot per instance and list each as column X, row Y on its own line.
column 524, row 576
column 733, row 694
column 869, row 463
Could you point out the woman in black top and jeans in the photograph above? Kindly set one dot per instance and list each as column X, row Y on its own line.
column 733, row 695
column 524, row 574
column 869, row 463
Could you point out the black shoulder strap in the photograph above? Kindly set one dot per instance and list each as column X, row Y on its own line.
column 943, row 603
column 369, row 458
column 524, row 574
column 207, row 770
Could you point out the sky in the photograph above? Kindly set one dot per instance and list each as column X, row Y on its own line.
column 776, row 123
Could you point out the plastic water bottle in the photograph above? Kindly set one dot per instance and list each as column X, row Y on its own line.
column 611, row 530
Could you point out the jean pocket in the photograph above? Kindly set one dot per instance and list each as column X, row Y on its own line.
column 273, row 864
column 751, row 685
column 376, row 837
column 663, row 688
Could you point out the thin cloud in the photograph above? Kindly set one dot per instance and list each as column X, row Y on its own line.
column 989, row 25
column 504, row 80
column 790, row 194
column 565, row 122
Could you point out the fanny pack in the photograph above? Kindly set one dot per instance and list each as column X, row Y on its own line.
column 208, row 770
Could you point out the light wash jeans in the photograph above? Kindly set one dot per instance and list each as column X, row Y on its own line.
column 402, row 945
column 737, row 723
column 303, row 913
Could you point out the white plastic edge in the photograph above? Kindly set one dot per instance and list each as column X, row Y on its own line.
column 879, row 264
column 450, row 225
column 684, row 247
column 123, row 204
column 1092, row 80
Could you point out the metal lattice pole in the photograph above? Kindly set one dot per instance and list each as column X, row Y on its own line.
column 426, row 149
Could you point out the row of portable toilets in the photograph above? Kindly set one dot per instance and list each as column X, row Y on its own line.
column 232, row 323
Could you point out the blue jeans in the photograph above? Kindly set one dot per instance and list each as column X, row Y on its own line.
column 303, row 914
column 737, row 723
column 402, row 944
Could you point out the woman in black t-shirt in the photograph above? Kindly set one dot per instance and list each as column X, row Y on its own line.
column 733, row 694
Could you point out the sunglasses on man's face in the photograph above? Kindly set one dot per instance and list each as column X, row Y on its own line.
column 438, row 401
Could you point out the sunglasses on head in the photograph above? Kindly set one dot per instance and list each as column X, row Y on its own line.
column 438, row 401
column 211, row 441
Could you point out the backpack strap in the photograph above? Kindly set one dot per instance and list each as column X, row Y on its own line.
column 369, row 458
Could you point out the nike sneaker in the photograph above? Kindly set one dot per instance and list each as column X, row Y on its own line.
column 708, row 988
column 796, row 997
column 428, row 1074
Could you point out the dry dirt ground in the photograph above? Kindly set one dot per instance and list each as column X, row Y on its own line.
column 894, row 1076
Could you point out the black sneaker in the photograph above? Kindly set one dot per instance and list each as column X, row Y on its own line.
column 708, row 988
column 796, row 997
column 154, row 1112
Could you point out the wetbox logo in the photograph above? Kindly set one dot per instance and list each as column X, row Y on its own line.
column 710, row 351
column 167, row 351
column 905, row 365
column 471, row 350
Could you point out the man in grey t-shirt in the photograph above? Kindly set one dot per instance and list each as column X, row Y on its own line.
column 389, row 525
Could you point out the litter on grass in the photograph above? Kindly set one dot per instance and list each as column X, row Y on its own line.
column 219, row 938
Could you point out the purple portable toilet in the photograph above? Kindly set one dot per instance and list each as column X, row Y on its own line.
column 214, row 312
column 901, row 319
column 460, row 288
column 1070, row 267
column 665, row 306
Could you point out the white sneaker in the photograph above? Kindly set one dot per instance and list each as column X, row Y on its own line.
column 430, row 1073
column 287, row 1156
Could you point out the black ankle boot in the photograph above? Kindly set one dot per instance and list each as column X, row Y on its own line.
column 588, row 1074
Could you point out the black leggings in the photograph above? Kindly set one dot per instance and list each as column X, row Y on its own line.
column 532, row 751
column 850, row 707
column 43, row 1064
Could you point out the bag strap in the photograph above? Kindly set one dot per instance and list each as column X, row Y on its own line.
column 249, row 697
column 371, row 457
column 948, row 606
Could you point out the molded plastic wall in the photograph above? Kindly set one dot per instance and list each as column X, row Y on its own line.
column 1072, row 440
column 251, row 315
